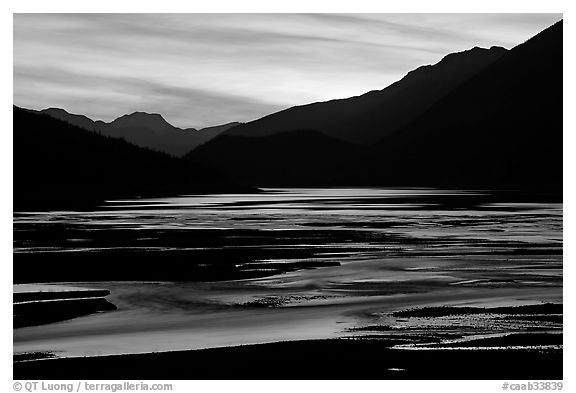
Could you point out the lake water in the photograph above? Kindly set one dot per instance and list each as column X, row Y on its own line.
column 305, row 263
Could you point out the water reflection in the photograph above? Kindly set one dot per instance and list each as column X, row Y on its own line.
column 315, row 263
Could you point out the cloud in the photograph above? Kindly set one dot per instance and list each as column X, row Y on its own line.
column 105, row 98
column 205, row 69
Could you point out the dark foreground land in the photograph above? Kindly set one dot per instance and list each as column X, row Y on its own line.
column 314, row 359
column 38, row 308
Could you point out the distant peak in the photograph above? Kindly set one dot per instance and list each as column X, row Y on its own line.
column 54, row 110
column 477, row 50
column 139, row 114
column 141, row 119
column 454, row 59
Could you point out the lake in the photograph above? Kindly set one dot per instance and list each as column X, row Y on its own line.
column 203, row 271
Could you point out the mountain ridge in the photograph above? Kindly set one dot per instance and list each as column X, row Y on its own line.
column 60, row 165
column 148, row 130
column 503, row 110
column 359, row 119
column 499, row 127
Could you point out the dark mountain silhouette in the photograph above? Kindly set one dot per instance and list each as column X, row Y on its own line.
column 57, row 164
column 152, row 131
column 77, row 120
column 501, row 127
column 205, row 134
column 147, row 130
column 367, row 118
column 296, row 158
column 479, row 118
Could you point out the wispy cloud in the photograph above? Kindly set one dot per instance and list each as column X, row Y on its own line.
column 111, row 96
column 205, row 69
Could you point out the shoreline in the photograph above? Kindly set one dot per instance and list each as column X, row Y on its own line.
column 307, row 359
column 406, row 349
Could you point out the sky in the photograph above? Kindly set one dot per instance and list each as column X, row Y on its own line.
column 200, row 70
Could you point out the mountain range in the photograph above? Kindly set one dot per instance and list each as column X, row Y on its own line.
column 60, row 165
column 372, row 116
column 148, row 130
column 479, row 118
column 482, row 118
column 503, row 126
